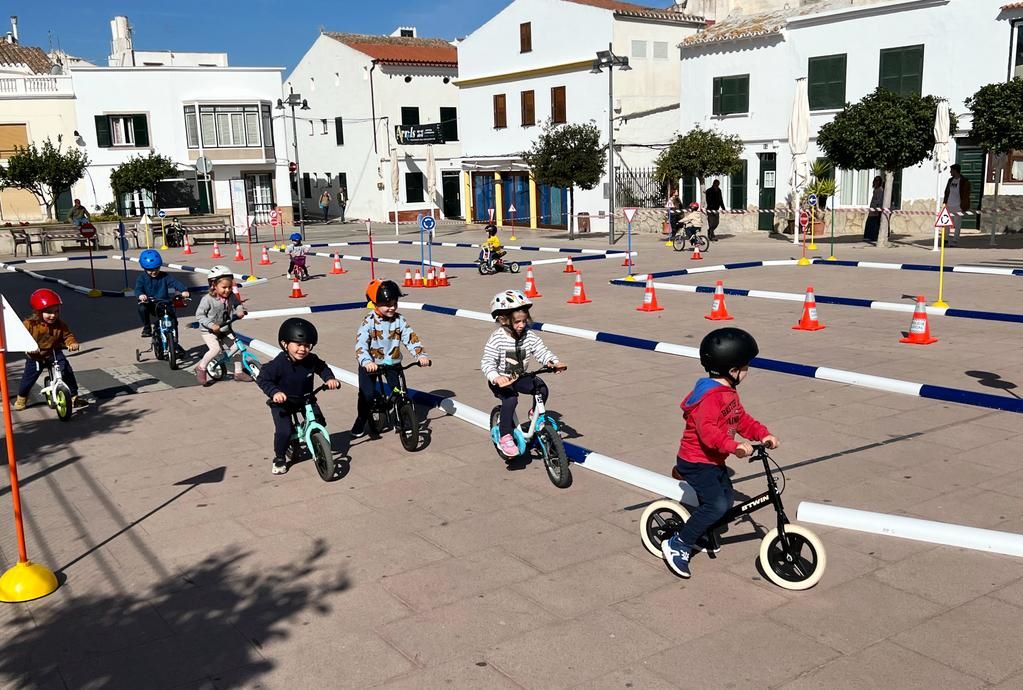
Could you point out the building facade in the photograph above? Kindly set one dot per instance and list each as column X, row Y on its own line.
column 523, row 68
column 739, row 77
column 358, row 89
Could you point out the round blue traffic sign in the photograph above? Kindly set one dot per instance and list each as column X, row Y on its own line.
column 162, row 213
column 812, row 200
column 427, row 223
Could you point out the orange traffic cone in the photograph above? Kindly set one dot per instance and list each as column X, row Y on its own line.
column 265, row 259
column 418, row 280
column 718, row 312
column 919, row 329
column 216, row 251
column 296, row 289
column 408, row 278
column 442, row 279
column 531, row 290
column 431, row 280
column 238, row 252
column 696, row 255
column 627, row 261
column 579, row 291
column 569, row 267
column 337, row 269
column 809, row 321
column 649, row 297
column 188, row 247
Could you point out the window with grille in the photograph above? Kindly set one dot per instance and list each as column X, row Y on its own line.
column 414, row 187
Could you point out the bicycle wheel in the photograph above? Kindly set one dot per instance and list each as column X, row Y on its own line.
column 514, row 266
column 251, row 364
column 215, row 369
column 157, row 346
column 408, row 426
column 679, row 243
column 797, row 566
column 323, row 455
column 555, row 460
column 172, row 351
column 481, row 268
column 47, row 394
column 702, row 242
column 660, row 521
column 62, row 401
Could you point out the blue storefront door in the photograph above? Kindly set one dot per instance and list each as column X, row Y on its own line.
column 553, row 207
column 482, row 197
column 515, row 193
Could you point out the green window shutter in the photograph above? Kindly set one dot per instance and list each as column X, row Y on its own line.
column 731, row 95
column 902, row 70
column 688, row 190
column 913, row 71
column 716, row 109
column 737, row 183
column 742, row 100
column 826, row 82
column 103, row 131
column 141, row 130
column 897, row 190
column 339, row 131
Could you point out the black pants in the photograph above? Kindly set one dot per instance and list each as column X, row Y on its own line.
column 283, row 428
column 713, row 218
column 713, row 488
column 509, row 397
column 872, row 228
column 147, row 310
column 372, row 384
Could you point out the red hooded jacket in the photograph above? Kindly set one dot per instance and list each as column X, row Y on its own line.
column 713, row 415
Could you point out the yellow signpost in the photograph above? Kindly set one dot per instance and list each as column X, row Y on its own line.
column 942, row 222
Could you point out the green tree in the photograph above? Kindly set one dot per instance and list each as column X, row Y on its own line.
column 699, row 153
column 142, row 173
column 883, row 131
column 998, row 122
column 46, row 172
column 568, row 156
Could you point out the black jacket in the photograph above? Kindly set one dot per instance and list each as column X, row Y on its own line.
column 715, row 202
column 294, row 379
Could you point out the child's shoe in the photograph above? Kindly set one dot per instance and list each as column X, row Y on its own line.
column 243, row 376
column 676, row 555
column 359, row 428
column 79, row 401
column 20, row 403
column 147, row 332
column 280, row 466
column 201, row 376
column 507, row 445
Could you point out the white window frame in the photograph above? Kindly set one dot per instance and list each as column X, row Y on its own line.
column 122, row 130
column 637, row 50
column 855, row 187
column 234, row 126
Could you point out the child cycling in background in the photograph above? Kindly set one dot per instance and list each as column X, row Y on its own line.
column 505, row 356
column 691, row 222
column 493, row 243
column 216, row 310
column 379, row 341
column 296, row 249
column 52, row 337
column 153, row 285
column 713, row 414
column 288, row 378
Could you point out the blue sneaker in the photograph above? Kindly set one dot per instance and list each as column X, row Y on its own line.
column 676, row 555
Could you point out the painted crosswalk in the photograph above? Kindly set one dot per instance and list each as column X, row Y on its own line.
column 144, row 377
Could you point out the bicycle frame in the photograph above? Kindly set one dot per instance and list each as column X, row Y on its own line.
column 398, row 393
column 304, row 427
column 540, row 418
column 770, row 497
column 237, row 347
column 55, row 372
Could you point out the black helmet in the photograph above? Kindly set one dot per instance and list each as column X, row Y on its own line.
column 383, row 291
column 295, row 330
column 725, row 349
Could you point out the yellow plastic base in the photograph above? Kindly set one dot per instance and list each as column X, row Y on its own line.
column 940, row 304
column 803, row 261
column 668, row 243
column 94, row 293
column 832, row 258
column 513, row 238
column 26, row 581
column 164, row 248
column 128, row 291
column 251, row 279
column 631, row 278
column 812, row 247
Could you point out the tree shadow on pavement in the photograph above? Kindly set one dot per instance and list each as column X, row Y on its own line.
column 210, row 624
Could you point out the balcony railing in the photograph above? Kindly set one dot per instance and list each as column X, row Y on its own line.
column 41, row 86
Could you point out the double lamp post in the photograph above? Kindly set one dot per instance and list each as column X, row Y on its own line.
column 295, row 100
column 607, row 59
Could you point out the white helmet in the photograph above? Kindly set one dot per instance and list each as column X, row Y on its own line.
column 509, row 300
column 219, row 272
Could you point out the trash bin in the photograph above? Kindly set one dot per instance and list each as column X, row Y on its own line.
column 584, row 222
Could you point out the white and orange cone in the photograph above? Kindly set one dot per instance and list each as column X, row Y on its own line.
column 442, row 279
column 296, row 290
column 531, row 290
column 718, row 312
column 919, row 328
column 188, row 247
column 569, row 267
column 579, row 290
column 418, row 280
column 696, row 255
column 216, row 251
column 238, row 256
column 337, row 269
column 809, row 320
column 265, row 259
column 408, row 278
column 649, row 297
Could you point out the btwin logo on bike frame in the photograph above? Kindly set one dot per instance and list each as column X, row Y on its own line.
column 760, row 500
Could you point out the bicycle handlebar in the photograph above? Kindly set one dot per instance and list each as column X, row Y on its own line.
column 542, row 370
column 396, row 366
column 299, row 398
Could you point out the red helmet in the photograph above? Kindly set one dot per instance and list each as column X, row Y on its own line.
column 44, row 299
column 694, row 206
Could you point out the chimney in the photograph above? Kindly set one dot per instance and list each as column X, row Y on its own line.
column 122, row 52
column 14, row 28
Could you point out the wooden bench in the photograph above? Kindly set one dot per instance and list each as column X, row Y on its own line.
column 63, row 235
column 23, row 237
column 217, row 231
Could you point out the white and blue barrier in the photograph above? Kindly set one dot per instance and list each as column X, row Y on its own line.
column 449, row 264
column 978, row 270
column 852, row 378
column 829, row 299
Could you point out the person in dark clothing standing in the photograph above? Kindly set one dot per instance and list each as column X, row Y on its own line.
column 715, row 204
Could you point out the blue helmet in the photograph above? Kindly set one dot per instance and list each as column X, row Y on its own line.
column 150, row 259
column 296, row 237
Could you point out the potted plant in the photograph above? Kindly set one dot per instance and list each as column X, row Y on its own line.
column 822, row 184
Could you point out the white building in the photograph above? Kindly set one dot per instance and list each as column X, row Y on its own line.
column 532, row 62
column 358, row 88
column 186, row 112
column 739, row 77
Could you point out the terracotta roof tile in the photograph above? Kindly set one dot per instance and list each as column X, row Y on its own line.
column 1013, row 6
column 736, row 28
column 14, row 55
column 399, row 49
column 629, row 9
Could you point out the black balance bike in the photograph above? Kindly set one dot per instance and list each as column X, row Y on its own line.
column 393, row 409
column 791, row 556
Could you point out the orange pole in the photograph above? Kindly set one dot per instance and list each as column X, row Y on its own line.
column 12, row 464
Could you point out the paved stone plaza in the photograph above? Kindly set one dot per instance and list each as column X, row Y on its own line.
column 186, row 564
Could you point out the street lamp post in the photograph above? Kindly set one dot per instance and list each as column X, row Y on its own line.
column 607, row 58
column 293, row 100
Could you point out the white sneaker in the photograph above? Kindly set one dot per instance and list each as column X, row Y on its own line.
column 280, row 466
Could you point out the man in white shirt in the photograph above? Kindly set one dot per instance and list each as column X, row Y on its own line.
column 957, row 199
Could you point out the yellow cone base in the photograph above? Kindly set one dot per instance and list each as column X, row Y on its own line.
column 803, row 261
column 812, row 247
column 251, row 279
column 940, row 304
column 94, row 293
column 26, row 581
column 832, row 258
column 630, row 278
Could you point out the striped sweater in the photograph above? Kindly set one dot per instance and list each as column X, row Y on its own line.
column 503, row 355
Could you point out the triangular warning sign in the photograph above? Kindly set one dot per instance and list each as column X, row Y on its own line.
column 630, row 213
column 944, row 219
column 511, row 208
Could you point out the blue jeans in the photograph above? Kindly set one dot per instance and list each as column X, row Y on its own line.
column 713, row 488
column 34, row 369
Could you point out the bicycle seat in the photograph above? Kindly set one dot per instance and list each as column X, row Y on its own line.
column 676, row 475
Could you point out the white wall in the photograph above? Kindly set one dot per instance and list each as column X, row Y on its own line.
column 966, row 46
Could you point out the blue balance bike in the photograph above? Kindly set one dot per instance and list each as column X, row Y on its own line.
column 309, row 435
column 164, row 344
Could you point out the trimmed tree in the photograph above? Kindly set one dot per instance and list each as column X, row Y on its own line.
column 142, row 173
column 997, row 124
column 568, row 156
column 884, row 131
column 699, row 153
column 45, row 171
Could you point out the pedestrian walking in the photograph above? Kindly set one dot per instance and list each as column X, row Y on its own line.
column 873, row 225
column 715, row 205
column 325, row 204
column 957, row 199
column 342, row 201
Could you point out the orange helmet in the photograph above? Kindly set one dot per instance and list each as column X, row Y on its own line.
column 383, row 291
column 44, row 298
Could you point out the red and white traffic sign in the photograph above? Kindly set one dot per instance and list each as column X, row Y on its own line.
column 944, row 219
column 88, row 230
column 630, row 213
column 804, row 218
column 273, row 219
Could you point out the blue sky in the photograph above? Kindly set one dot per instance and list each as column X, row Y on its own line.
column 252, row 32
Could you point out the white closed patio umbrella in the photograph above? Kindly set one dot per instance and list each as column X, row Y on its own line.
column 940, row 155
column 799, row 141
column 394, row 186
